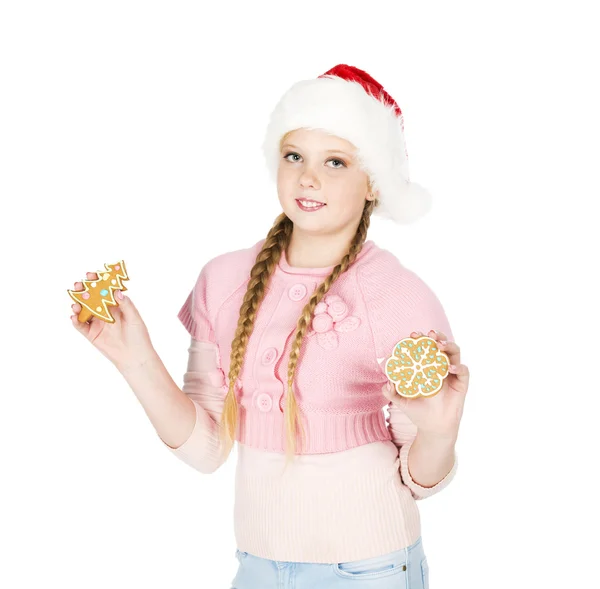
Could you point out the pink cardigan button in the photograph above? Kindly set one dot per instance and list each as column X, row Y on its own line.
column 269, row 356
column 264, row 402
column 297, row 292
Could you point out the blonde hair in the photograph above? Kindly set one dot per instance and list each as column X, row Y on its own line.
column 267, row 259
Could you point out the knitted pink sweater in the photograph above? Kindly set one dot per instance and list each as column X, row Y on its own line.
column 349, row 494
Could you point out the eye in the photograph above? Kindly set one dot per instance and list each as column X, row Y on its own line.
column 337, row 160
column 333, row 159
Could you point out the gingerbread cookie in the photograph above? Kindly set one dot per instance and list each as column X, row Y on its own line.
column 98, row 294
column 417, row 367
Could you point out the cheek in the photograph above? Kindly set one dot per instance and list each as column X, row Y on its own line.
column 345, row 197
column 285, row 191
column 284, row 179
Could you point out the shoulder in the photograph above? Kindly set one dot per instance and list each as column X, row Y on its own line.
column 224, row 274
column 398, row 300
column 233, row 266
column 218, row 279
column 386, row 280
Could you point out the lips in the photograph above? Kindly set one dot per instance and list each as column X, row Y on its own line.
column 317, row 207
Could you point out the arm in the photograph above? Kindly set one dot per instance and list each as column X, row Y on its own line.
column 204, row 387
column 433, row 463
column 399, row 302
column 186, row 420
column 200, row 446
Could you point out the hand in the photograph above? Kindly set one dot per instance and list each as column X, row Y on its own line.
column 126, row 342
column 438, row 416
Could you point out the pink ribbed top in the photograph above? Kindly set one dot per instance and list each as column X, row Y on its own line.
column 349, row 494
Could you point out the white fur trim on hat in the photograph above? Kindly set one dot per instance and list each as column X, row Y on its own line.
column 343, row 108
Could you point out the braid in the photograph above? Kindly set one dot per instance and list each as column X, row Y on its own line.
column 292, row 412
column 266, row 261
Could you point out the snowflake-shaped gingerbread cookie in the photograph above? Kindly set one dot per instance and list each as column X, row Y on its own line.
column 417, row 367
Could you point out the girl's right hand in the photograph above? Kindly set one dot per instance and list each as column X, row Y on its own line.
column 126, row 342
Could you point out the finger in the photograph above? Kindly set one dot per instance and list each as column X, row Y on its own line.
column 124, row 306
column 88, row 276
column 461, row 372
column 129, row 311
column 436, row 335
column 83, row 328
column 449, row 347
column 452, row 350
column 388, row 390
column 391, row 394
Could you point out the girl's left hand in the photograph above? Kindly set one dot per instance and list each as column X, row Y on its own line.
column 438, row 416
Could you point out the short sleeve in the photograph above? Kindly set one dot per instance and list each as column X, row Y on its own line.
column 429, row 314
column 194, row 314
column 399, row 302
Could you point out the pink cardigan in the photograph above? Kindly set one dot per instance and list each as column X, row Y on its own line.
column 340, row 374
column 349, row 495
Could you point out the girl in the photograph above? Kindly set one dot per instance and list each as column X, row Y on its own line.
column 289, row 339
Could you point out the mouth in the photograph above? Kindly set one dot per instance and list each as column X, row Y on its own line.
column 309, row 205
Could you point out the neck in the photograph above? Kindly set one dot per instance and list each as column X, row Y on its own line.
column 307, row 250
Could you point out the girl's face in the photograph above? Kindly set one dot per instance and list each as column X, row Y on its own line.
column 321, row 167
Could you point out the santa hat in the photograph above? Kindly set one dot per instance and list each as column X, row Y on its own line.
column 347, row 102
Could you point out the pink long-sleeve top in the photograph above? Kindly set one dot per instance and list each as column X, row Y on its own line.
column 348, row 495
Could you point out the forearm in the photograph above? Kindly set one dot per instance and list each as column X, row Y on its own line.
column 170, row 410
column 430, row 459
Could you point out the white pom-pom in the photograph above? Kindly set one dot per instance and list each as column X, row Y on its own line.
column 407, row 206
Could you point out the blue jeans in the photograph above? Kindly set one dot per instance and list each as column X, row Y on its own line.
column 402, row 569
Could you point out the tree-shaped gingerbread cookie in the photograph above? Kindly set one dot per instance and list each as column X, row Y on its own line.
column 98, row 294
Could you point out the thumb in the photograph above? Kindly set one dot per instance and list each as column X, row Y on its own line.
column 126, row 306
column 387, row 391
column 122, row 300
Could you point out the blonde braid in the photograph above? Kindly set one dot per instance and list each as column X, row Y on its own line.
column 277, row 241
column 292, row 417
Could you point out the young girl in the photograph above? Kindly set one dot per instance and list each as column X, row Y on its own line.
column 289, row 339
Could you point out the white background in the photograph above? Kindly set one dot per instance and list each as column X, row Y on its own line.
column 132, row 130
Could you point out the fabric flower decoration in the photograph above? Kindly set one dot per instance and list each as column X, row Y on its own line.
column 332, row 317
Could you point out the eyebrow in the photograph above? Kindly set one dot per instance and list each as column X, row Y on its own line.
column 326, row 151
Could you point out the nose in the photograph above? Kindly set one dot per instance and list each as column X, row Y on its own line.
column 308, row 178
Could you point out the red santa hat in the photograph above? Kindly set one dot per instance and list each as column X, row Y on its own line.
column 347, row 102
